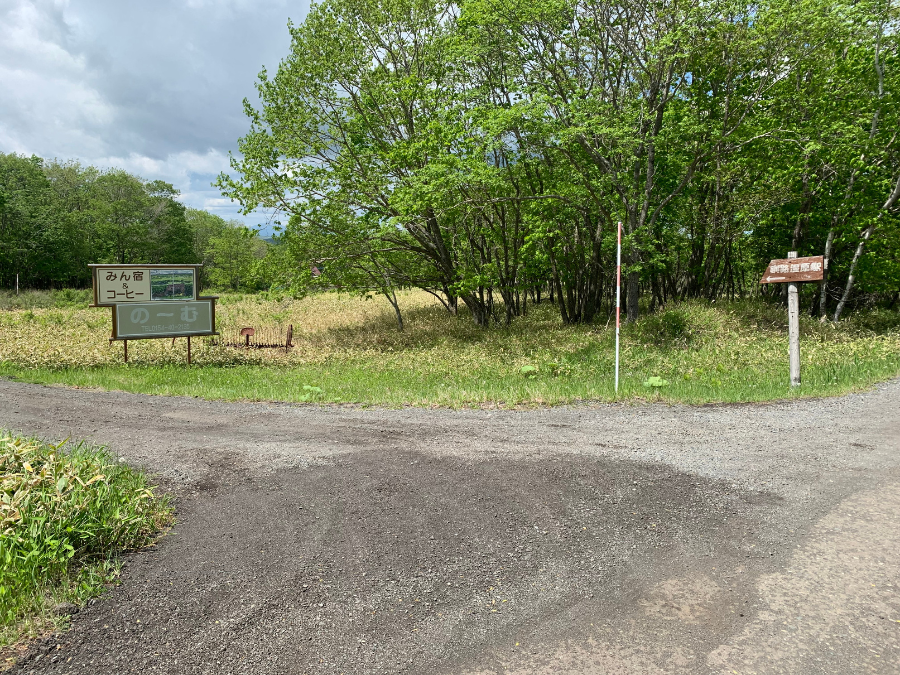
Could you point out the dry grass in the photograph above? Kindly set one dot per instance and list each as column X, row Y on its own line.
column 326, row 327
column 351, row 348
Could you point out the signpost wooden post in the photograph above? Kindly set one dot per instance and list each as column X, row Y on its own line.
column 793, row 271
column 618, row 297
column 794, row 328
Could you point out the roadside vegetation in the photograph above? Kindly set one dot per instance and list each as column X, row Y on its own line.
column 348, row 350
column 66, row 510
column 486, row 151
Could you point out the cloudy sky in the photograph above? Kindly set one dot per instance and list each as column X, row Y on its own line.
column 153, row 87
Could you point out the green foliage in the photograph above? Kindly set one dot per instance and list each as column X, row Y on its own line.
column 56, row 218
column 878, row 321
column 62, row 298
column 670, row 328
column 71, row 297
column 234, row 252
column 484, row 153
column 63, row 513
column 311, row 393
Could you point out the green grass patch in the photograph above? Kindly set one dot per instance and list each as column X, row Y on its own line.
column 65, row 512
column 61, row 298
column 349, row 350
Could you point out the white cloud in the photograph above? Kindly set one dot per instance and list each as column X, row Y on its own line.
column 35, row 31
column 219, row 202
column 154, row 88
column 220, row 6
column 176, row 168
column 46, row 85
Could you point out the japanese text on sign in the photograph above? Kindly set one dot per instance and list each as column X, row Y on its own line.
column 795, row 267
column 123, row 285
column 811, row 268
column 163, row 320
column 115, row 284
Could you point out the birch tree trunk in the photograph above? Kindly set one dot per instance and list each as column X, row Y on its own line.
column 879, row 70
column 887, row 206
column 823, row 312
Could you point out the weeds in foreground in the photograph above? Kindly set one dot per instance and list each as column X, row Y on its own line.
column 64, row 514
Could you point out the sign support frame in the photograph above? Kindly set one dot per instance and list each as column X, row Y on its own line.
column 618, row 296
column 793, row 299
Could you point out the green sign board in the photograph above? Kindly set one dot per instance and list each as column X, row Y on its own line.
column 134, row 320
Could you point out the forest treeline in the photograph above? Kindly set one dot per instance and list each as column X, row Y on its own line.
column 58, row 217
column 484, row 150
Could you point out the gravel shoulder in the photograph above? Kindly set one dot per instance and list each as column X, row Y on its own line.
column 607, row 539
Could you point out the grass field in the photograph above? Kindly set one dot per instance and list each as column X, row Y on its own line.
column 66, row 510
column 349, row 350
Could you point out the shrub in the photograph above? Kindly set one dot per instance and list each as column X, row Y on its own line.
column 63, row 511
column 668, row 328
column 878, row 321
column 72, row 297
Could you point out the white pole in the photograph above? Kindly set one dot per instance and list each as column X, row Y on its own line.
column 794, row 329
column 618, row 297
column 17, row 284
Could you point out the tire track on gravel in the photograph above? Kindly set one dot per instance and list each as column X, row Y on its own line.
column 591, row 539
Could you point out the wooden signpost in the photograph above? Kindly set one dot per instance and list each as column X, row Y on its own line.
column 791, row 271
column 618, row 297
column 154, row 301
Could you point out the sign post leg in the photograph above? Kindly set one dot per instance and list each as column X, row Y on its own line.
column 189, row 349
column 126, row 351
column 618, row 297
column 794, row 329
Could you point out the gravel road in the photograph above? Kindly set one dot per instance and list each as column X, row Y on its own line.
column 593, row 540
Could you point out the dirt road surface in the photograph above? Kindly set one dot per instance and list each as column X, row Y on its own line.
column 607, row 540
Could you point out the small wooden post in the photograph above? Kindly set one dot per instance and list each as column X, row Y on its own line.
column 794, row 328
column 126, row 351
column 189, row 349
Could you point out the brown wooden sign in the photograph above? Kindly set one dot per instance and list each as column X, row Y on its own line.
column 795, row 270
